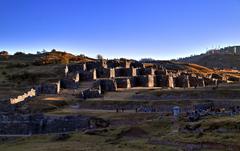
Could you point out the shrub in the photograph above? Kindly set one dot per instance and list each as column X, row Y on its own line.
column 17, row 65
column 3, row 53
column 4, row 72
column 100, row 57
column 19, row 53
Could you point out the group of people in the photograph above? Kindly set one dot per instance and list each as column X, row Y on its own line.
column 139, row 109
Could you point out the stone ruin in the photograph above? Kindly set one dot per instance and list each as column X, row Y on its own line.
column 110, row 75
column 45, row 88
column 48, row 88
column 71, row 81
column 124, row 82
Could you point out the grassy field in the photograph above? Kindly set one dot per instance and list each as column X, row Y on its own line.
column 152, row 133
column 81, row 142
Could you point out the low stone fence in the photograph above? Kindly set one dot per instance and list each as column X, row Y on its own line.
column 23, row 97
column 41, row 124
column 90, row 93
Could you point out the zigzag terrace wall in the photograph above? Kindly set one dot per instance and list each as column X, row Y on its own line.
column 110, row 75
column 113, row 74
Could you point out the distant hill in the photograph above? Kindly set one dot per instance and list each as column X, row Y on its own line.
column 53, row 57
column 228, row 57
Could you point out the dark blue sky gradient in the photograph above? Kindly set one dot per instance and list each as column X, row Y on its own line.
column 161, row 29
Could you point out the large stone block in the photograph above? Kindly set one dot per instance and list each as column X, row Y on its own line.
column 107, row 85
column 73, row 76
column 113, row 63
column 209, row 81
column 105, row 73
column 201, row 82
column 93, row 65
column 143, row 81
column 77, row 67
column 103, row 63
column 91, row 93
column 193, row 80
column 182, row 81
column 145, row 71
column 136, row 64
column 48, row 88
column 125, row 63
column 161, row 81
column 160, row 72
column 123, row 82
column 125, row 72
column 88, row 75
column 69, row 84
column 170, row 81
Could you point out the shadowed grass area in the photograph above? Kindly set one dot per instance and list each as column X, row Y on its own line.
column 80, row 142
column 121, row 138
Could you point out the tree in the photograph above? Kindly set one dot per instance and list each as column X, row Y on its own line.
column 82, row 55
column 147, row 60
column 19, row 53
column 54, row 50
column 99, row 57
column 3, row 53
column 44, row 51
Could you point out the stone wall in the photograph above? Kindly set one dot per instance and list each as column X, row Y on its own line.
column 125, row 63
column 136, row 64
column 161, row 81
column 103, row 63
column 48, row 88
column 88, row 75
column 23, row 97
column 69, row 84
column 143, row 81
column 40, row 124
column 77, row 67
column 105, row 73
column 125, row 72
column 160, row 72
column 233, row 79
column 201, row 82
column 170, row 81
column 113, row 64
column 145, row 71
column 123, row 82
column 73, row 76
column 91, row 93
column 182, row 81
column 93, row 65
column 107, row 85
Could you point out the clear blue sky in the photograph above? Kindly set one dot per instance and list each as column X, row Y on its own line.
column 161, row 29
